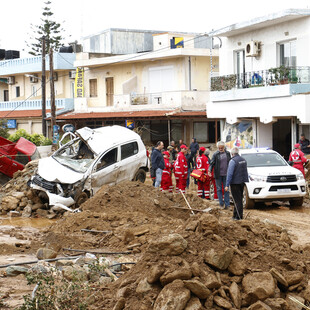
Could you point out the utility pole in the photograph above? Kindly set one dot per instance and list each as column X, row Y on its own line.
column 43, row 84
column 53, row 107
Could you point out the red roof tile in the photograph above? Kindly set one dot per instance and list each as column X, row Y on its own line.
column 21, row 114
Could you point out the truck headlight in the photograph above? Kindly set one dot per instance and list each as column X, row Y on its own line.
column 257, row 178
column 300, row 176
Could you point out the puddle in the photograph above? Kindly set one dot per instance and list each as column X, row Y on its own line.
column 37, row 223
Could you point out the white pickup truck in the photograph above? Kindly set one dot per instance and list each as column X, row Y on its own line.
column 272, row 178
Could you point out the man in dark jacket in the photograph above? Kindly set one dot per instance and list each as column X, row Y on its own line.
column 158, row 162
column 219, row 161
column 194, row 147
column 305, row 144
column 237, row 175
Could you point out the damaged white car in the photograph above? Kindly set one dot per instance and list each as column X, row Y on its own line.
column 75, row 172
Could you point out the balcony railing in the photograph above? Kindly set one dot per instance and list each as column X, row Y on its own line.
column 61, row 103
column 270, row 77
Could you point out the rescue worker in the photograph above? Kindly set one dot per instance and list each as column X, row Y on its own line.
column 166, row 180
column 158, row 164
column 203, row 165
column 207, row 153
column 298, row 158
column 181, row 169
column 304, row 144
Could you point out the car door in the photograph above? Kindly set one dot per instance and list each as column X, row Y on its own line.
column 105, row 170
column 130, row 161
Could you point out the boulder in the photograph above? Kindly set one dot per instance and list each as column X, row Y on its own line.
column 18, row 195
column 222, row 302
column 143, row 287
column 13, row 271
column 236, row 266
column 155, row 273
column 208, row 224
column 279, row 277
column 194, row 304
column 27, row 211
column 258, row 286
column 235, row 295
column 219, row 259
column 9, row 203
column 211, row 281
column 182, row 273
column 74, row 272
column 173, row 296
column 45, row 253
column 173, row 244
column 276, row 303
column 197, row 288
column 259, row 305
column 294, row 277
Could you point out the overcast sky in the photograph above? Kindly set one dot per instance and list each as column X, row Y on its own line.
column 84, row 17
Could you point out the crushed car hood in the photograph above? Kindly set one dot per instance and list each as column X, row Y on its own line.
column 52, row 171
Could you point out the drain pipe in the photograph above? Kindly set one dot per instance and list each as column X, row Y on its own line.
column 189, row 73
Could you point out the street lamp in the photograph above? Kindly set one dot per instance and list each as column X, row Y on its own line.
column 43, row 86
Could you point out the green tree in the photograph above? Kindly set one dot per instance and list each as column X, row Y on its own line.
column 4, row 131
column 51, row 30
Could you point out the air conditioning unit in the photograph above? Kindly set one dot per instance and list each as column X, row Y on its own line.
column 34, row 79
column 11, row 80
column 72, row 74
column 252, row 49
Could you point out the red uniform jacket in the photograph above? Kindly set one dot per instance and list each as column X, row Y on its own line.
column 202, row 163
column 167, row 170
column 298, row 158
column 180, row 166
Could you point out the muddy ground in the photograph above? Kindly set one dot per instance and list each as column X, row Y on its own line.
column 133, row 214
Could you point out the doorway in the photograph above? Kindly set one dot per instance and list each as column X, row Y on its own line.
column 109, row 86
column 282, row 133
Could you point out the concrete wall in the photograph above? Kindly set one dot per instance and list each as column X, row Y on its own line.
column 269, row 38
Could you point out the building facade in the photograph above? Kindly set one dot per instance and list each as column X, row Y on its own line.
column 262, row 92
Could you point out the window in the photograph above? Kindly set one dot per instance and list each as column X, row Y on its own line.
column 6, row 95
column 93, row 88
column 108, row 159
column 94, row 124
column 288, row 55
column 21, row 158
column 17, row 91
column 34, row 90
column 129, row 149
column 201, row 132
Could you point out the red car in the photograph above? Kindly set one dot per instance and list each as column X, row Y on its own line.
column 14, row 156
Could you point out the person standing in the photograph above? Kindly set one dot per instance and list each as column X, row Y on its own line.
column 174, row 151
column 181, row 169
column 194, row 147
column 203, row 165
column 219, row 162
column 158, row 163
column 304, row 144
column 166, row 181
column 237, row 175
column 212, row 180
column 298, row 158
column 190, row 166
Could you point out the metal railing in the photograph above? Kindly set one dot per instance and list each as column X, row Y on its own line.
column 274, row 76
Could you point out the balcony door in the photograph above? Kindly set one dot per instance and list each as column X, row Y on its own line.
column 109, row 86
column 240, row 68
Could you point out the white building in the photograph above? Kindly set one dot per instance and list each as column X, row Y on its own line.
column 263, row 107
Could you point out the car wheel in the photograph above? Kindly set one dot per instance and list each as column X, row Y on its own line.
column 297, row 202
column 80, row 199
column 140, row 176
column 247, row 202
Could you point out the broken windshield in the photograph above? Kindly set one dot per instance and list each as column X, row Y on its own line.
column 75, row 155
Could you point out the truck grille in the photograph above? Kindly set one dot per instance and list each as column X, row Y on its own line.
column 281, row 178
column 275, row 188
column 51, row 187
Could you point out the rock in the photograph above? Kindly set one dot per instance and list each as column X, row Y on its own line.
column 155, row 273
column 173, row 296
column 259, row 306
column 276, row 303
column 42, row 213
column 235, row 295
column 258, row 286
column 105, row 281
column 279, row 277
column 39, row 268
column 143, row 287
column 173, row 244
column 192, row 225
column 285, row 238
column 27, row 211
column 13, row 271
column 195, row 269
column 208, row 224
column 120, row 304
column 197, row 288
column 182, row 272
column 63, row 262
column 236, row 267
column 294, row 277
column 18, row 195
column 194, row 304
column 156, row 202
column 74, row 272
column 211, row 281
column 221, row 302
column 83, row 260
column 45, row 253
column 219, row 259
column 306, row 293
column 9, row 203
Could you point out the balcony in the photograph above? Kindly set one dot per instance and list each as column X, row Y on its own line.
column 62, row 61
column 275, row 82
column 61, row 104
column 187, row 100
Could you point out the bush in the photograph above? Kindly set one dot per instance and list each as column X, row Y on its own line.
column 37, row 139
column 4, row 131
